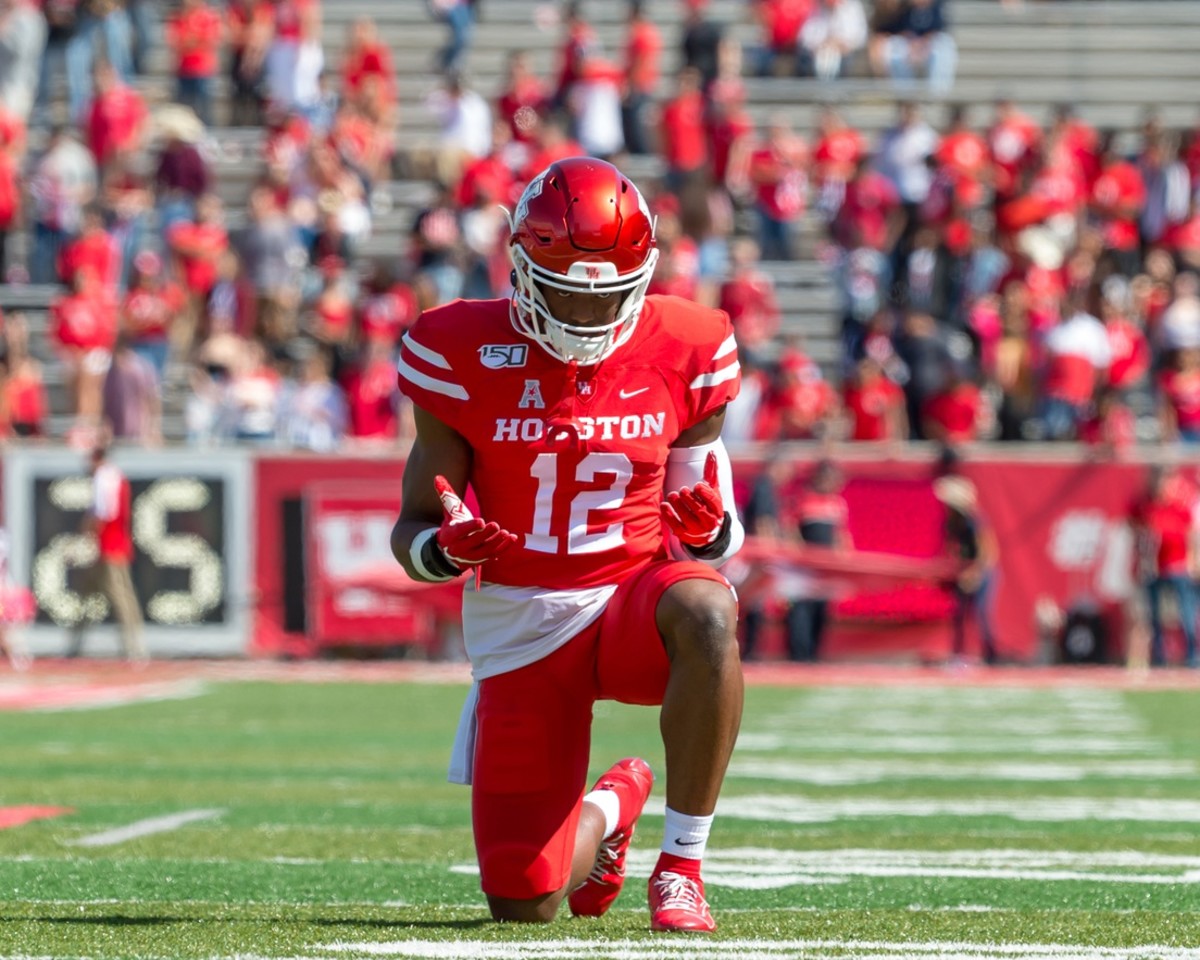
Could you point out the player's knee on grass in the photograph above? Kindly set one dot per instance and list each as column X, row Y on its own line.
column 698, row 619
column 540, row 910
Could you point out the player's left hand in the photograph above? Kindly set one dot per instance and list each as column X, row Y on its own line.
column 696, row 514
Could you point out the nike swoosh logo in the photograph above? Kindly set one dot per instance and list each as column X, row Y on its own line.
column 626, row 394
column 685, row 843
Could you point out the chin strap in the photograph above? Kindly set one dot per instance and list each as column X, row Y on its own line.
column 562, row 427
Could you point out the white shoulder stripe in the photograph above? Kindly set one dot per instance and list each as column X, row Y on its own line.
column 429, row 383
column 726, row 348
column 429, row 356
column 720, row 376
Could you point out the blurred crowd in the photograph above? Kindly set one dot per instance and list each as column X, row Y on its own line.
column 996, row 277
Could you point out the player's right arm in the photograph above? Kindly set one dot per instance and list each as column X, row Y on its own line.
column 436, row 537
column 438, row 450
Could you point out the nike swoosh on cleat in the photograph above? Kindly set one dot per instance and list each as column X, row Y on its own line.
column 626, row 394
column 685, row 843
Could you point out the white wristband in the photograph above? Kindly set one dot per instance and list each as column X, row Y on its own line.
column 414, row 553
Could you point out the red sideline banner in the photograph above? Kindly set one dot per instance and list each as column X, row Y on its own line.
column 1061, row 526
column 281, row 624
column 348, row 530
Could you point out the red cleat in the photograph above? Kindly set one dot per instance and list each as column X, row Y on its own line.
column 630, row 779
column 677, row 904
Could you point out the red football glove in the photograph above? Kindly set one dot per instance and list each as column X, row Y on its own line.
column 466, row 540
column 696, row 514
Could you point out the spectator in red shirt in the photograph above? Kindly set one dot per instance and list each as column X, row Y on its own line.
column 954, row 414
column 579, row 43
column 874, row 404
column 387, row 307
column 1014, row 140
column 774, row 172
column 197, row 247
column 195, row 33
column 109, row 519
column 25, row 398
column 367, row 65
column 1118, row 197
column 149, row 309
column 1179, row 393
column 643, row 52
column 116, row 119
column 10, row 206
column 522, row 99
column 681, row 128
column 83, row 328
column 1110, row 426
column 1126, row 340
column 800, row 404
column 1077, row 360
column 372, row 395
column 94, row 250
column 748, row 296
column 1164, row 525
column 835, row 158
column 822, row 516
column 780, row 22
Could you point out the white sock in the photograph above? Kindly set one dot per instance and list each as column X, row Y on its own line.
column 685, row 836
column 610, row 806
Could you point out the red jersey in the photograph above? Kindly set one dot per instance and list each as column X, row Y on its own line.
column 643, row 47
column 1182, row 392
column 98, row 253
column 371, row 398
column 1169, row 522
column 956, row 411
column 196, row 37
column 1130, row 353
column 199, row 245
column 749, row 299
column 385, row 316
column 362, row 63
column 869, row 407
column 520, row 106
column 1120, row 193
column 111, row 508
column 147, row 314
column 113, row 122
column 587, row 512
column 837, row 155
column 684, row 144
column 83, row 321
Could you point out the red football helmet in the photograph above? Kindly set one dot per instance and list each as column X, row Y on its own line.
column 581, row 226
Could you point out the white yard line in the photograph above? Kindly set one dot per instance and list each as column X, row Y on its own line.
column 144, row 828
column 847, row 772
column 694, row 949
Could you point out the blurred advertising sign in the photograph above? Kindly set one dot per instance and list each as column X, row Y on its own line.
column 190, row 525
column 357, row 592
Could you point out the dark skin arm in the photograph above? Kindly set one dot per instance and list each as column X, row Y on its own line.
column 437, row 449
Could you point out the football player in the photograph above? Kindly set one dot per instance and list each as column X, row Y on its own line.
column 586, row 418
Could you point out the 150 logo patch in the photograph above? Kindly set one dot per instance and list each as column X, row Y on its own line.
column 497, row 355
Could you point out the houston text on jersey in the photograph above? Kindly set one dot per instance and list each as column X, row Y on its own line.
column 630, row 427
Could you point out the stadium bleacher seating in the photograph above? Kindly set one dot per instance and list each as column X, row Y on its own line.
column 1110, row 58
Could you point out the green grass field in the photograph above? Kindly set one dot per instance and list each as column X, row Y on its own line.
column 285, row 819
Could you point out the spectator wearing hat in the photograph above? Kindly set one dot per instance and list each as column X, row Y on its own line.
column 970, row 540
column 181, row 176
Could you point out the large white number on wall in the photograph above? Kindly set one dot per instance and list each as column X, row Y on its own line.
column 579, row 540
column 185, row 550
column 63, row 553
